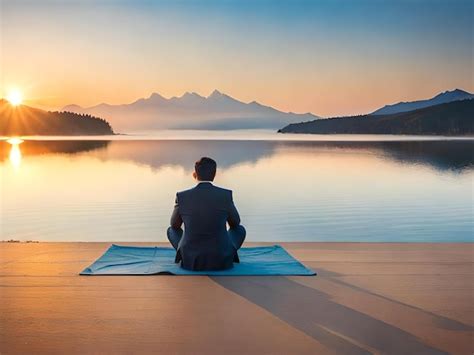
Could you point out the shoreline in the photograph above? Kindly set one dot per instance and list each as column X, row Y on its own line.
column 247, row 135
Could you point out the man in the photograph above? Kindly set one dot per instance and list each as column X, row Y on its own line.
column 205, row 244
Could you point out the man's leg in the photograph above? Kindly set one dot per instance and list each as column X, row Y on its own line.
column 237, row 236
column 174, row 236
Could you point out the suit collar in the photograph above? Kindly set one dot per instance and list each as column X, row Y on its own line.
column 204, row 184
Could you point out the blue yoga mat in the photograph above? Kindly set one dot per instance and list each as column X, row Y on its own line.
column 125, row 260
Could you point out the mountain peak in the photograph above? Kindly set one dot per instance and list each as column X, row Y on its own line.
column 458, row 91
column 73, row 108
column 155, row 95
column 189, row 94
column 215, row 94
column 453, row 95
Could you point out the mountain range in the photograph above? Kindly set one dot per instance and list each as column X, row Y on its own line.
column 442, row 98
column 191, row 111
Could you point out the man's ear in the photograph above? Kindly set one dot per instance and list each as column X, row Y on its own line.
column 194, row 175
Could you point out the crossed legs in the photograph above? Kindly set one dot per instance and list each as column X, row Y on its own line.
column 236, row 235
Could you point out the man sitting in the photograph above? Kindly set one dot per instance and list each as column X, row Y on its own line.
column 205, row 244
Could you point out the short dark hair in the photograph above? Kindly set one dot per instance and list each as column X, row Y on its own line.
column 205, row 169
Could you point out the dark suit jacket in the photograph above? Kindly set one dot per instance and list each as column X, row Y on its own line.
column 205, row 210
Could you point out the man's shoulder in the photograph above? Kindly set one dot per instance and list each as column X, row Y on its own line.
column 185, row 192
column 222, row 190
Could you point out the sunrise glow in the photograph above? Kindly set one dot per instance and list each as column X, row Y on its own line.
column 15, row 97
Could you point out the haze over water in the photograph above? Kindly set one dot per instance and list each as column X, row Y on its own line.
column 123, row 190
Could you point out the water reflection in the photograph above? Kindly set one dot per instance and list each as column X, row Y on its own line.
column 443, row 155
column 15, row 152
column 30, row 148
column 286, row 191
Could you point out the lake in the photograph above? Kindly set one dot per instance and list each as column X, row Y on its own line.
column 287, row 188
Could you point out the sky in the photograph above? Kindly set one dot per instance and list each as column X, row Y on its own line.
column 328, row 57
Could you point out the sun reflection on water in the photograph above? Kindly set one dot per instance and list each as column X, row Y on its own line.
column 15, row 152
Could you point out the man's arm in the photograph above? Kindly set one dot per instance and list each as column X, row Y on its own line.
column 233, row 219
column 176, row 220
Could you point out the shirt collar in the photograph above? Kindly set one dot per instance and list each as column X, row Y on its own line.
column 204, row 182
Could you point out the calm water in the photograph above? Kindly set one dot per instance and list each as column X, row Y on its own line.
column 123, row 190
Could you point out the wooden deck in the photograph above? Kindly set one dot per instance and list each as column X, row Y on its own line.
column 367, row 298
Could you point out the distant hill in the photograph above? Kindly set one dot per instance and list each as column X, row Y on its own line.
column 454, row 118
column 445, row 97
column 191, row 111
column 24, row 120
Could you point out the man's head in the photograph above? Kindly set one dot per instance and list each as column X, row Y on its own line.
column 205, row 169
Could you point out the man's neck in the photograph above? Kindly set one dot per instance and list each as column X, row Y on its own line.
column 204, row 181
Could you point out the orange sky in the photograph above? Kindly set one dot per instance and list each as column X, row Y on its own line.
column 307, row 58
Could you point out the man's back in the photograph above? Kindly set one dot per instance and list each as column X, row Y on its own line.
column 205, row 210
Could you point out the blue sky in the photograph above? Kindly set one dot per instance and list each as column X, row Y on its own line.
column 328, row 57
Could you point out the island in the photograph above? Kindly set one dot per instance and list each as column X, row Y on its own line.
column 449, row 119
column 24, row 120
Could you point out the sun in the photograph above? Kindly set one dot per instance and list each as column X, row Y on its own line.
column 15, row 97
